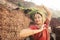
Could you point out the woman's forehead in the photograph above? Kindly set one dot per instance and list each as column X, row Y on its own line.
column 37, row 14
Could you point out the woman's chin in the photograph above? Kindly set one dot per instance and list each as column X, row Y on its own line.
column 38, row 23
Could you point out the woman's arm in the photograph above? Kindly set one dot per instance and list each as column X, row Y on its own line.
column 27, row 32
column 49, row 13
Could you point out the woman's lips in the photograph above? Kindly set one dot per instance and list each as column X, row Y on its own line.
column 37, row 21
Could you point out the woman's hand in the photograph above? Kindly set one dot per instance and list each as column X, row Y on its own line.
column 42, row 28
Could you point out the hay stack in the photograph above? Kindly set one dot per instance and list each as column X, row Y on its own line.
column 11, row 22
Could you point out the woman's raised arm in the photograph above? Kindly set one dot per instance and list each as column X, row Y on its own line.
column 49, row 12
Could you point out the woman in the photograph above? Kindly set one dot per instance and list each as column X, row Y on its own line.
column 39, row 28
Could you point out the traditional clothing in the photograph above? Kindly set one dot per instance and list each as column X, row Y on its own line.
column 44, row 35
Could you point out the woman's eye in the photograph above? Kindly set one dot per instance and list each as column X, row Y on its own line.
column 39, row 17
column 35, row 18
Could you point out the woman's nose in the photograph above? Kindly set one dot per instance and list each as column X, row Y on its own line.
column 37, row 19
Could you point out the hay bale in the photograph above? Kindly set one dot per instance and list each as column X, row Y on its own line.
column 11, row 23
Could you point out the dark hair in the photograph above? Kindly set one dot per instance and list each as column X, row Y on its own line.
column 26, row 11
column 32, row 16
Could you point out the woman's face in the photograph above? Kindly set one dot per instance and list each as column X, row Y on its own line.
column 38, row 19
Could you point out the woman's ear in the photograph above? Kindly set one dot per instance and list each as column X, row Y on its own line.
column 26, row 11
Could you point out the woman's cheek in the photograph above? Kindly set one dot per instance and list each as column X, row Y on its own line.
column 35, row 21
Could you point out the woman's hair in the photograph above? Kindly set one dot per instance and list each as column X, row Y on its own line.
column 32, row 13
column 32, row 16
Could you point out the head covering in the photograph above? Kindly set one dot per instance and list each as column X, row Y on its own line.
column 39, row 10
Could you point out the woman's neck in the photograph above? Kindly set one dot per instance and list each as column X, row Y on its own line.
column 39, row 26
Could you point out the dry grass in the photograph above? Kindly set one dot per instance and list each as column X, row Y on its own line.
column 11, row 22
